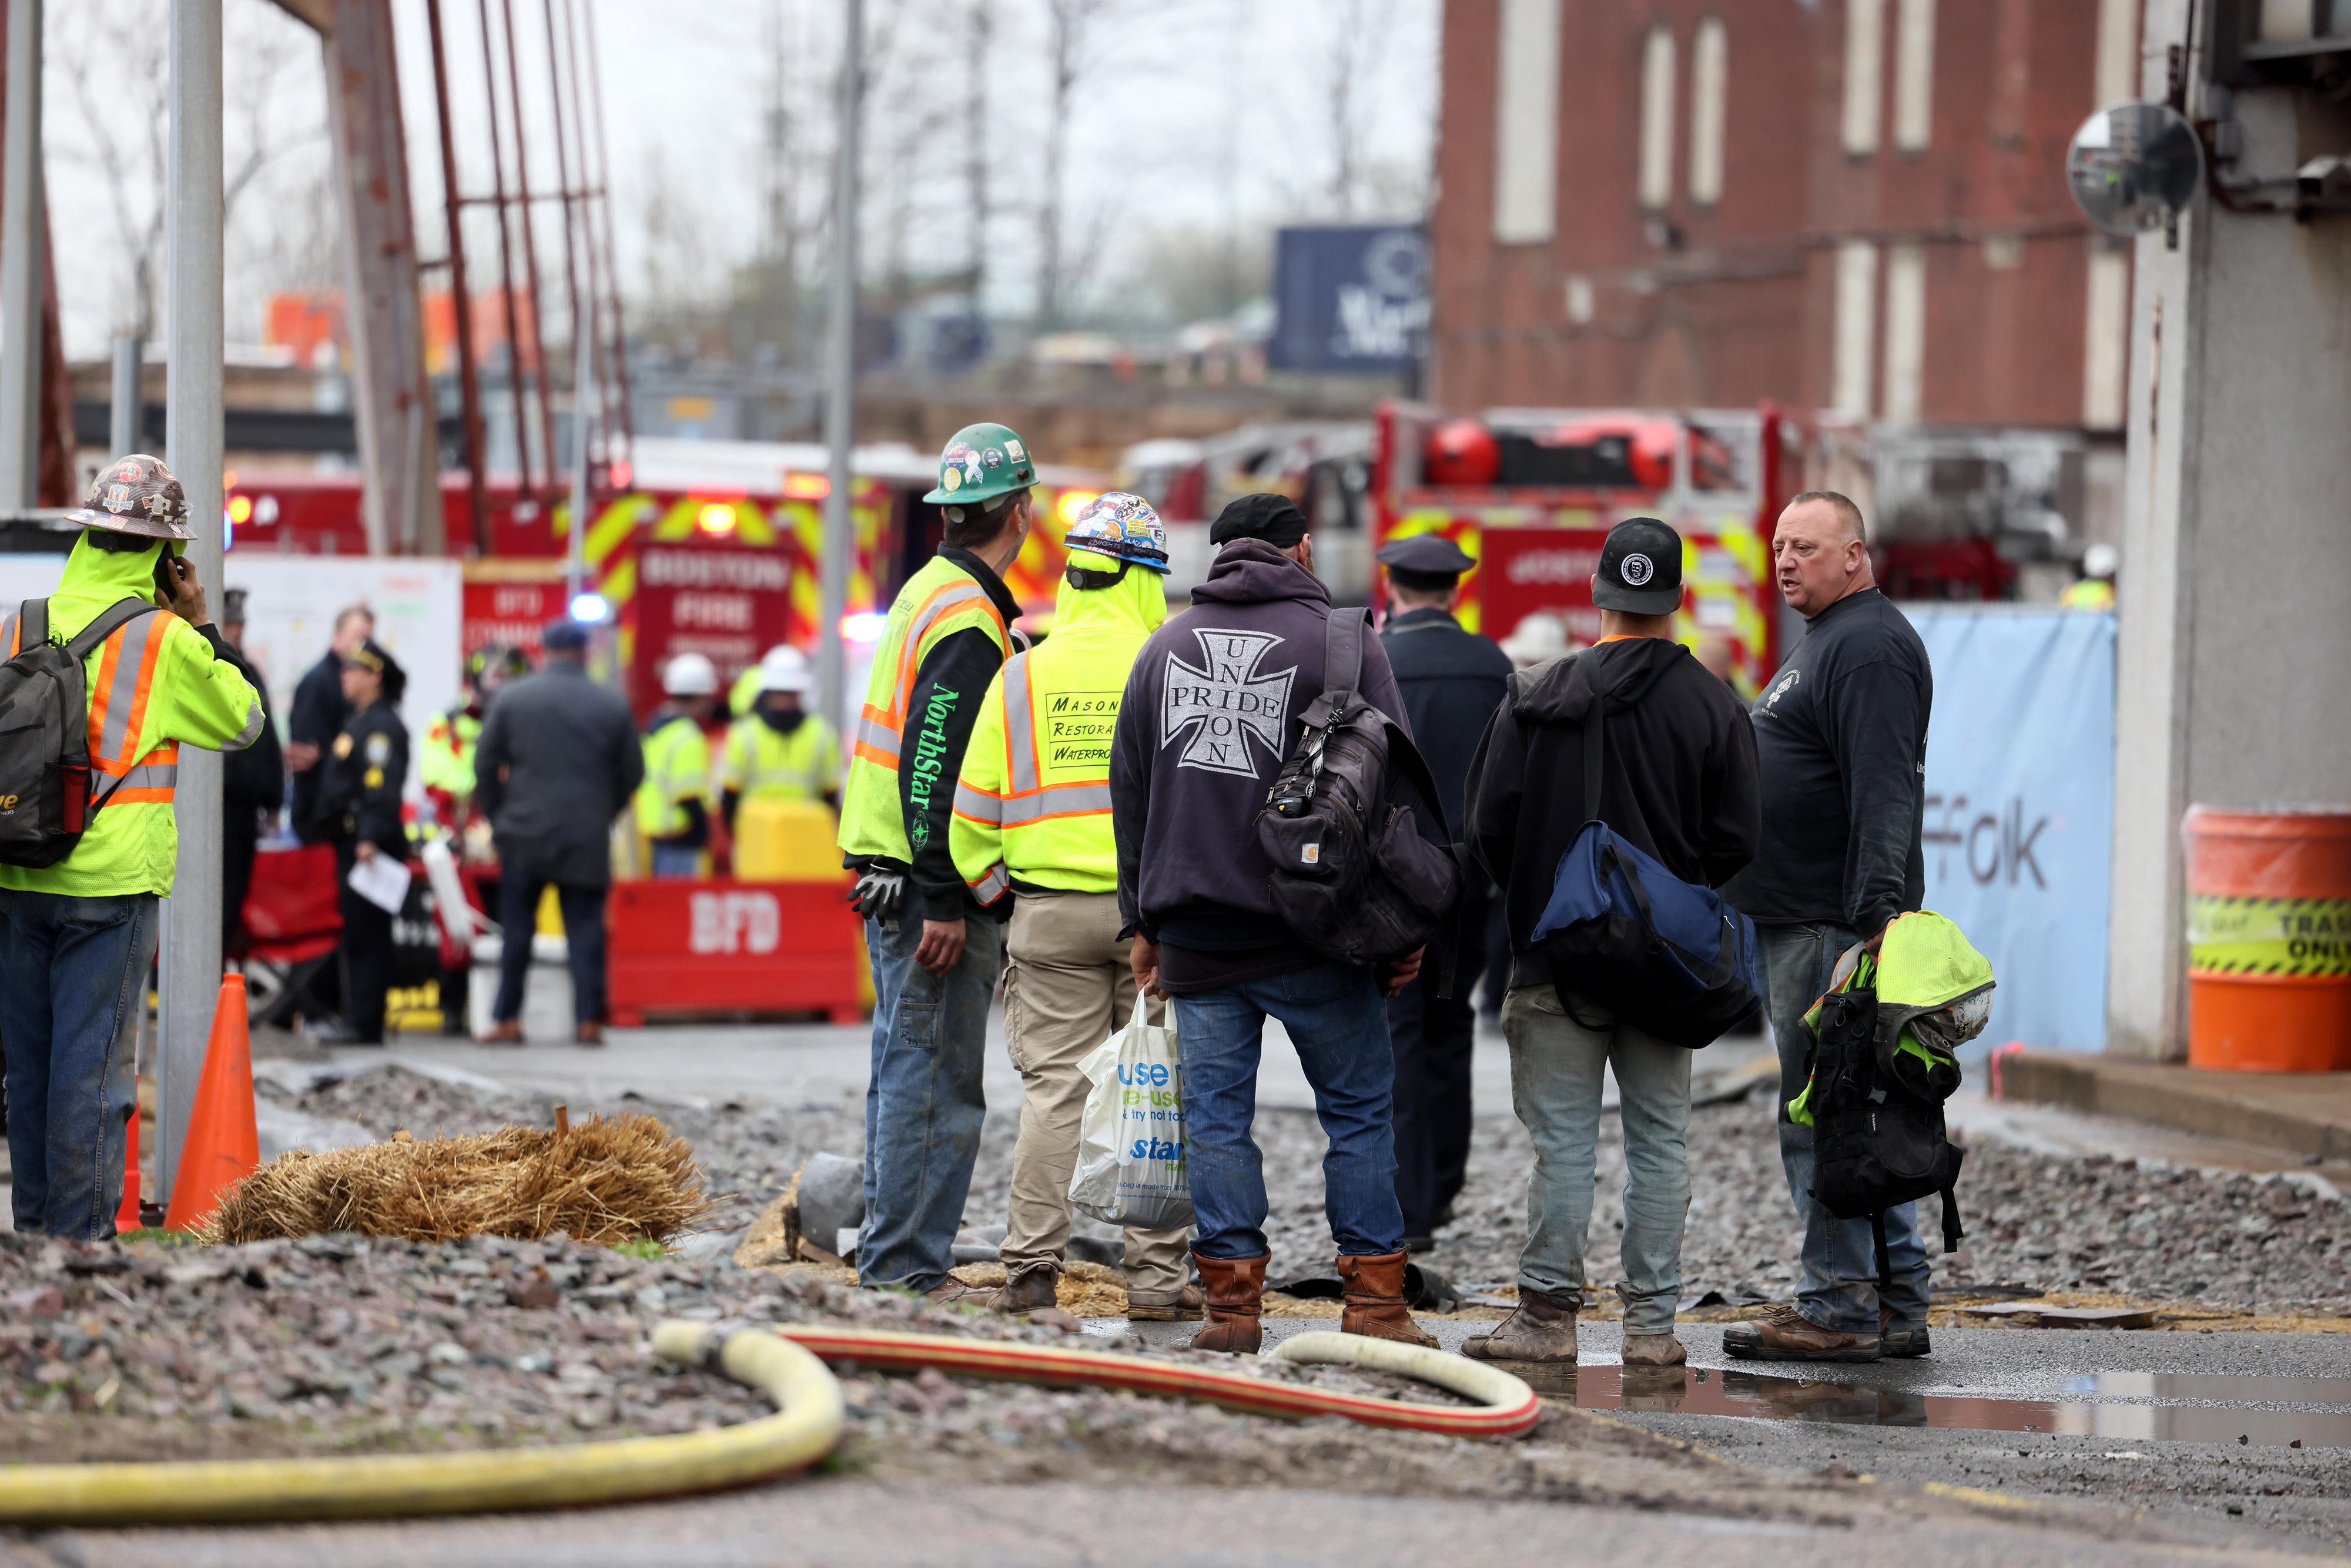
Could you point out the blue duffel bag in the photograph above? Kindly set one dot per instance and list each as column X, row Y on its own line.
column 1661, row 954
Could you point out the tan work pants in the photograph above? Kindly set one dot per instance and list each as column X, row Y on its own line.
column 1067, row 986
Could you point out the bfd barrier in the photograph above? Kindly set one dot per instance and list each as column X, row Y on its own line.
column 724, row 947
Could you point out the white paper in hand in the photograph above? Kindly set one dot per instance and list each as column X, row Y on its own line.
column 381, row 880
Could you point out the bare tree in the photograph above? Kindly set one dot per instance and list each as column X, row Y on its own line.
column 1361, row 33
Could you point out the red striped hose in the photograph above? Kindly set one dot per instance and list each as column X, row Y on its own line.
column 1506, row 1407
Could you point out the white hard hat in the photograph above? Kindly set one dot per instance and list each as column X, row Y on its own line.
column 690, row 675
column 1539, row 637
column 2101, row 559
column 785, row 669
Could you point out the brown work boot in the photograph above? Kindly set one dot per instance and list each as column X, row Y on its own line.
column 1184, row 1309
column 1541, row 1330
column 1654, row 1350
column 952, row 1288
column 1029, row 1291
column 1784, row 1334
column 507, row 1033
column 1374, row 1299
column 590, row 1033
column 1235, row 1296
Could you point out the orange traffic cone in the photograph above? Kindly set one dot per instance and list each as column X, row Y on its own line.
column 222, row 1147
column 126, row 1219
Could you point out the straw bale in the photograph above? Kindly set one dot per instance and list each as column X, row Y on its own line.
column 605, row 1180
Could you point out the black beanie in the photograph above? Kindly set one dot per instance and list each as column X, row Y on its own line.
column 1276, row 519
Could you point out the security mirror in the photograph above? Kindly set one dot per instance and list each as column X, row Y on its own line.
column 2133, row 168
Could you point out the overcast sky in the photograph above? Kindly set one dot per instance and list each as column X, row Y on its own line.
column 1191, row 111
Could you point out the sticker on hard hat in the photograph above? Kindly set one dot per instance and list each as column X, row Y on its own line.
column 2269, row 936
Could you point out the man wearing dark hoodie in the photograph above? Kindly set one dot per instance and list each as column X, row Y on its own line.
column 1677, row 780
column 1209, row 715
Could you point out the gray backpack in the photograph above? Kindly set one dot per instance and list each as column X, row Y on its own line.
column 1352, row 876
column 44, row 801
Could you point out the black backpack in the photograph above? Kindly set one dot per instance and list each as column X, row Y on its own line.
column 1352, row 876
column 44, row 799
column 1876, row 1142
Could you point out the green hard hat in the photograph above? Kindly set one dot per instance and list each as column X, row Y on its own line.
column 982, row 462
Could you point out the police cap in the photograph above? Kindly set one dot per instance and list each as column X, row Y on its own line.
column 1424, row 561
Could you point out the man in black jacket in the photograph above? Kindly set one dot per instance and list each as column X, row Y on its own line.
column 1678, row 782
column 557, row 761
column 1841, row 730
column 319, row 710
column 253, row 785
column 1452, row 682
column 1210, row 712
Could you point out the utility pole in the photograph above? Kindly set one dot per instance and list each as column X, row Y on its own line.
column 123, row 431
column 840, row 376
column 190, row 970
column 20, row 263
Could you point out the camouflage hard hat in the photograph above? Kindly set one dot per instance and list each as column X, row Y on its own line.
column 982, row 463
column 136, row 494
column 1123, row 527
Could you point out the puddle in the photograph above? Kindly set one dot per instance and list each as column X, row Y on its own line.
column 1697, row 1390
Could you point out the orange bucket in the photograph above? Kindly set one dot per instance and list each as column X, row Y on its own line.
column 2269, row 940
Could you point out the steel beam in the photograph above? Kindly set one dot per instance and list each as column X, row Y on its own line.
column 189, row 969
column 840, row 376
column 399, row 455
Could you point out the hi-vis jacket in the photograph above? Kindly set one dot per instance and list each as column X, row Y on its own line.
column 446, row 763
column 154, row 687
column 948, row 631
column 1032, row 808
column 677, row 769
column 763, row 763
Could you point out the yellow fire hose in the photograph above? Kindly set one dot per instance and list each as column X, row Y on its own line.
column 785, row 1365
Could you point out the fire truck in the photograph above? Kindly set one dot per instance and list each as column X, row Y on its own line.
column 708, row 546
column 1531, row 493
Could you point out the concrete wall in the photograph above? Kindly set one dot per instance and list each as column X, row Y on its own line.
column 2236, row 585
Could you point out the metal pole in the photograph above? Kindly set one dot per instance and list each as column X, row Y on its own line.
column 840, row 376
column 124, row 429
column 191, row 967
column 583, row 361
column 469, row 386
column 20, row 263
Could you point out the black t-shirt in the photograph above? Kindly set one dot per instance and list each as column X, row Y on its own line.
column 1841, row 738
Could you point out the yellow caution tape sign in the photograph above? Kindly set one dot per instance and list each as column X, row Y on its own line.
column 2269, row 935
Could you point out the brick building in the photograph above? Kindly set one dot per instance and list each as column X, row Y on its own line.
column 1853, row 206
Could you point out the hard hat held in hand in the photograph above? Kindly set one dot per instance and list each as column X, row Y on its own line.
column 982, row 463
column 1122, row 526
column 137, row 494
column 690, row 675
column 785, row 669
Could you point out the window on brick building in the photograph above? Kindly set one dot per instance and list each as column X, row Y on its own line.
column 2106, row 336
column 1526, row 121
column 1658, row 117
column 1709, row 87
column 1851, row 351
column 1865, row 56
column 1914, row 75
column 1906, row 333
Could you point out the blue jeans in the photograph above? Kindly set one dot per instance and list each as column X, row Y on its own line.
column 1340, row 1026
column 73, row 980
column 1838, row 1287
column 1556, row 1064
column 583, row 944
column 923, row 1104
column 676, row 860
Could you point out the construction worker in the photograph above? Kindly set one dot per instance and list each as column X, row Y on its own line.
column 778, row 750
column 672, row 804
column 76, row 936
column 446, row 763
column 1032, row 808
column 936, row 951
column 359, row 801
column 2095, row 588
column 744, row 695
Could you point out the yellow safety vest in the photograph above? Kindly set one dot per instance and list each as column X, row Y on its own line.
column 2090, row 593
column 153, row 686
column 937, row 601
column 677, row 769
column 1033, row 802
column 447, row 760
column 761, row 765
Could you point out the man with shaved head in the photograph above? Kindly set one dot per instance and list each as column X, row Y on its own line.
column 1841, row 742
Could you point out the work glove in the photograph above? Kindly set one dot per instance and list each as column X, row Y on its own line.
column 879, row 893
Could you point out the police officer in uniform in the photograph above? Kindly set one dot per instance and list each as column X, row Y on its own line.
column 358, row 799
column 1452, row 682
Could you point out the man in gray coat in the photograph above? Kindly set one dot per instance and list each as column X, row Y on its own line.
column 557, row 761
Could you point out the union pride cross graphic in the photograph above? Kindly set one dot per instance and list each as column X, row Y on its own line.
column 1225, row 703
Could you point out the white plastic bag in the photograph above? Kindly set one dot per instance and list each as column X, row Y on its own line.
column 1131, row 1168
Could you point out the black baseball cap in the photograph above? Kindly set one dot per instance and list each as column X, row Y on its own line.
column 1640, row 568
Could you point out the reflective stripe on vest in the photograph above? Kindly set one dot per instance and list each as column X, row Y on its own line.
column 879, row 726
column 1028, row 802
